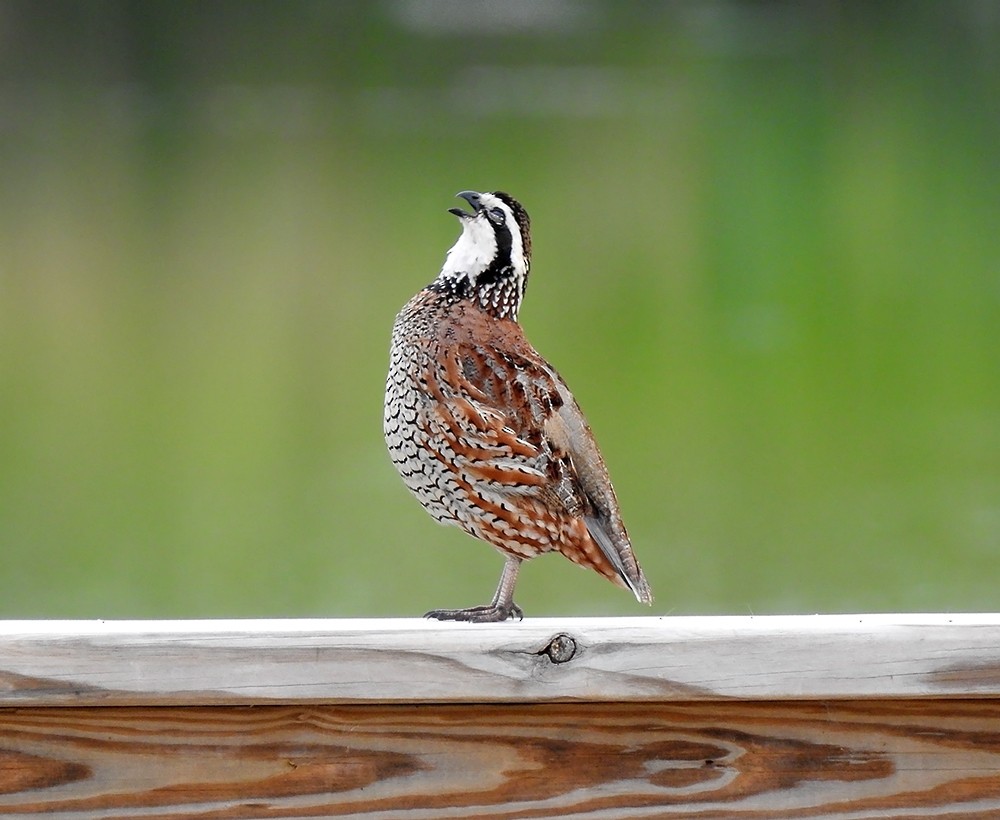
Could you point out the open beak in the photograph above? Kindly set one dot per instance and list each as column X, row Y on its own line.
column 475, row 201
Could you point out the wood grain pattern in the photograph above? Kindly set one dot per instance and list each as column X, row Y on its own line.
column 833, row 717
column 414, row 661
column 835, row 760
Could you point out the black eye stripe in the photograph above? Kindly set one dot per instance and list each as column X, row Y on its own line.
column 501, row 264
column 520, row 217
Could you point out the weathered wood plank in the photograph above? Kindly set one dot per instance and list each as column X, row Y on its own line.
column 834, row 761
column 413, row 660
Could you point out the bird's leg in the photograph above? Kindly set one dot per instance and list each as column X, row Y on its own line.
column 500, row 609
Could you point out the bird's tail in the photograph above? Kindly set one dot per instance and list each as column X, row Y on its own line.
column 619, row 553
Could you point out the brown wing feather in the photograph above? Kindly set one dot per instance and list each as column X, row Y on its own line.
column 568, row 430
column 524, row 403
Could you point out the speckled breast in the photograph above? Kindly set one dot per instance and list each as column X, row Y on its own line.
column 411, row 361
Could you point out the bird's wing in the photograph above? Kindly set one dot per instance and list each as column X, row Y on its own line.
column 520, row 402
column 569, row 432
column 481, row 433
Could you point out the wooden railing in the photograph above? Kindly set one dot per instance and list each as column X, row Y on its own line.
column 846, row 717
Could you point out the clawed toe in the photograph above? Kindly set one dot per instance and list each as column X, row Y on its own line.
column 500, row 608
column 489, row 613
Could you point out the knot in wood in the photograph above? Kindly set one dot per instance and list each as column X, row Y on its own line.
column 560, row 649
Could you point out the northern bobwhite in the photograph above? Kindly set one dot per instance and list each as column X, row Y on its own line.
column 483, row 430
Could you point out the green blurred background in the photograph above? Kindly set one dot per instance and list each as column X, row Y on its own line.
column 767, row 260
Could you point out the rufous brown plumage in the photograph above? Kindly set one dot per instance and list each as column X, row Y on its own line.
column 482, row 429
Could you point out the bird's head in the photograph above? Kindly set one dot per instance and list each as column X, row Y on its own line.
column 491, row 259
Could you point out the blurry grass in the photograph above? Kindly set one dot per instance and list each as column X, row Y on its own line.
column 772, row 283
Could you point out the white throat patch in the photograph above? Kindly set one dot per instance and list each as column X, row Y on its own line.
column 476, row 248
column 473, row 252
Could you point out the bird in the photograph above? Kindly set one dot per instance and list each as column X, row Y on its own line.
column 483, row 430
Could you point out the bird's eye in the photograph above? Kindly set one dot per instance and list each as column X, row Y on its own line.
column 495, row 215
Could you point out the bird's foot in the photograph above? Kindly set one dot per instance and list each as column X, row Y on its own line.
column 488, row 613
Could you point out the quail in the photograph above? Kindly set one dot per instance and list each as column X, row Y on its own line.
column 482, row 429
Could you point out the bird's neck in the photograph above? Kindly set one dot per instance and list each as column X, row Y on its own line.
column 499, row 296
